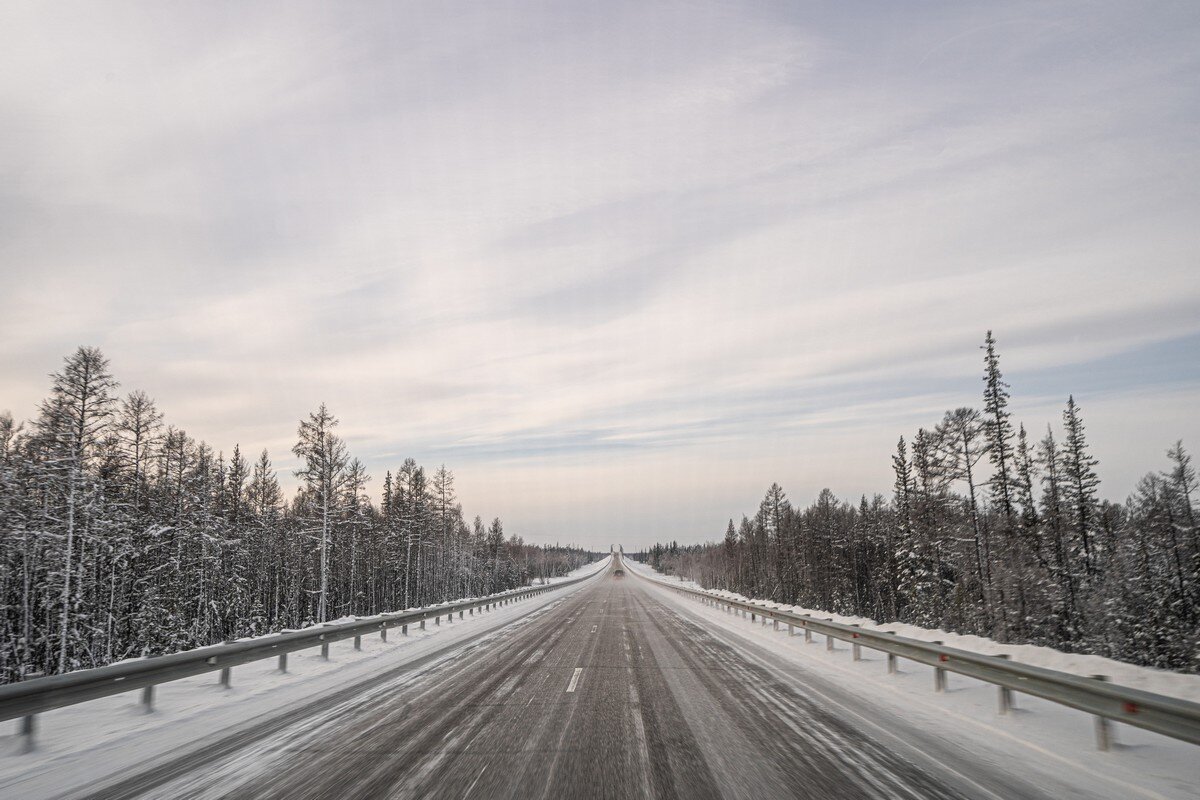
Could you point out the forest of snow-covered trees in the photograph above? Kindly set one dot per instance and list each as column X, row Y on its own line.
column 122, row 536
column 985, row 532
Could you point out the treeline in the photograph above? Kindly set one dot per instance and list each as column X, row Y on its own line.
column 985, row 532
column 121, row 536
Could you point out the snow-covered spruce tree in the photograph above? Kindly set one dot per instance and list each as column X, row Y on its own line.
column 1056, row 537
column 748, row 577
column 732, row 560
column 1080, row 484
column 1014, row 562
column 267, row 557
column 782, row 585
column 998, row 430
column 1181, row 485
column 899, row 544
column 495, row 554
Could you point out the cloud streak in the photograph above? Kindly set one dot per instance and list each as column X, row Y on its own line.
column 615, row 249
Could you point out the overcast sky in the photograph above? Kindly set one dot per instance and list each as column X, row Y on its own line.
column 619, row 265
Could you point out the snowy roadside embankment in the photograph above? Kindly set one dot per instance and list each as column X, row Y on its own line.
column 1048, row 745
column 586, row 569
column 1147, row 679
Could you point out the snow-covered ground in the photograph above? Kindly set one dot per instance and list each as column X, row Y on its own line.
column 1148, row 679
column 1040, row 738
column 86, row 742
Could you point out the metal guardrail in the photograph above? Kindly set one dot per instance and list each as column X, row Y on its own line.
column 28, row 698
column 1169, row 716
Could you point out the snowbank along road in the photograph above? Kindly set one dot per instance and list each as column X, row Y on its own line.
column 615, row 690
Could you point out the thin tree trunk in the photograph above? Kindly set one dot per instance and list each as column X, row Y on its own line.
column 66, row 595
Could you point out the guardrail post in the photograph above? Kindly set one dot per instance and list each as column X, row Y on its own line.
column 460, row 613
column 829, row 642
column 383, row 633
column 358, row 643
column 939, row 675
column 148, row 698
column 283, row 662
column 891, row 657
column 422, row 624
column 753, row 616
column 28, row 729
column 325, row 651
column 856, row 648
column 437, row 620
column 1004, row 695
column 807, row 634
column 1104, row 737
column 227, row 672
column 791, row 629
column 776, row 622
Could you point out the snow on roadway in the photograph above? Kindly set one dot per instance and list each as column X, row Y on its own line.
column 1039, row 737
column 81, row 744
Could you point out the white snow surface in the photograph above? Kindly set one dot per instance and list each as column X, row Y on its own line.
column 90, row 742
column 1148, row 679
column 1048, row 744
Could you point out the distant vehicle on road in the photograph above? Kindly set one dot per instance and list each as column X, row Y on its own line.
column 618, row 573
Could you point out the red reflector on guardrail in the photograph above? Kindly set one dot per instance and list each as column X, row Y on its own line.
column 1130, row 708
column 854, row 635
column 943, row 657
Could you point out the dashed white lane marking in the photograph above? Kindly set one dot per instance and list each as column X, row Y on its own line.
column 477, row 777
column 574, row 679
column 593, row 629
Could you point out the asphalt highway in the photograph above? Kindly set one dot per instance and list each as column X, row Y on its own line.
column 610, row 692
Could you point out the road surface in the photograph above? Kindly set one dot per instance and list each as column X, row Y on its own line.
column 611, row 692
